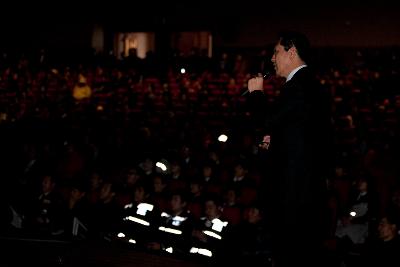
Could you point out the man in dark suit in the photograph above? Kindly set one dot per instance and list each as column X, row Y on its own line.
column 297, row 136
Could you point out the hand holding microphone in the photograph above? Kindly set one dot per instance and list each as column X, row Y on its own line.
column 265, row 142
column 256, row 83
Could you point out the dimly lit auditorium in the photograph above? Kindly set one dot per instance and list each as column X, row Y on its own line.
column 199, row 134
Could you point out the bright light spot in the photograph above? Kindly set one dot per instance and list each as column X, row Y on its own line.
column 143, row 208
column 205, row 252
column 164, row 214
column 170, row 230
column 137, row 220
column 121, row 235
column 183, row 70
column 222, row 138
column 201, row 251
column 132, row 241
column 128, row 206
column 161, row 166
column 353, row 213
column 170, row 250
column 177, row 220
column 218, row 225
column 212, row 234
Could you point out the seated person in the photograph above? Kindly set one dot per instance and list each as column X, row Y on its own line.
column 175, row 227
column 208, row 236
column 140, row 219
column 250, row 240
column 384, row 250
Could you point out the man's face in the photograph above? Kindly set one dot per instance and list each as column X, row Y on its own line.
column 386, row 230
column 158, row 184
column 239, row 171
column 207, row 171
column 281, row 60
column 211, row 209
column 177, row 204
column 47, row 184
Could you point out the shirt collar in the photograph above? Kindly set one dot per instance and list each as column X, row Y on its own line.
column 293, row 72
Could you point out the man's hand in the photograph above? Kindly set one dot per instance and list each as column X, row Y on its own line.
column 256, row 84
column 265, row 142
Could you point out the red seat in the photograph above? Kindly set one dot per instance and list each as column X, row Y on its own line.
column 232, row 214
column 248, row 195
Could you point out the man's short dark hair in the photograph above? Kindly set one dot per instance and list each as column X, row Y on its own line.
column 289, row 39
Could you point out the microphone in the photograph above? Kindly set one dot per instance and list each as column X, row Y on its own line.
column 247, row 91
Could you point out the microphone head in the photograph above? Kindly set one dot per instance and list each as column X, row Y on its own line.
column 245, row 93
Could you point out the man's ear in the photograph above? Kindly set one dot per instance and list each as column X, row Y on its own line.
column 292, row 52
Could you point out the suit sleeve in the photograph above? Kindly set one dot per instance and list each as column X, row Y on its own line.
column 290, row 109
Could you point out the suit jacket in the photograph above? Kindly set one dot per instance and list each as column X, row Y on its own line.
column 300, row 152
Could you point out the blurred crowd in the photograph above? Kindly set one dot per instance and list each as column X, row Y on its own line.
column 162, row 157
